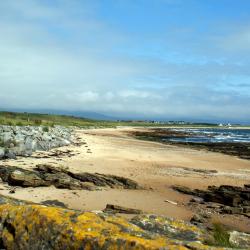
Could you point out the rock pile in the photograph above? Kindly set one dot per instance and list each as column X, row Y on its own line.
column 47, row 175
column 23, row 140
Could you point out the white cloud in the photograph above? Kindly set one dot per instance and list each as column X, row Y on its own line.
column 64, row 57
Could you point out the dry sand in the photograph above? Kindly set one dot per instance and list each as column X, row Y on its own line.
column 153, row 165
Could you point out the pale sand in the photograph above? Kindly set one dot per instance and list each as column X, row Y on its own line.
column 148, row 163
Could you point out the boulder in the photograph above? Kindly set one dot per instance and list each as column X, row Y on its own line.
column 2, row 152
column 241, row 240
column 25, row 179
column 175, row 229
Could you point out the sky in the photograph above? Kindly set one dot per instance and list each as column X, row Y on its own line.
column 150, row 59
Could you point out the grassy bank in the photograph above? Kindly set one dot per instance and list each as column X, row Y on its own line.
column 34, row 119
column 24, row 119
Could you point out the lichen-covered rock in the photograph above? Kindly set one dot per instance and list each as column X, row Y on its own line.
column 25, row 226
column 240, row 239
column 38, row 227
column 169, row 227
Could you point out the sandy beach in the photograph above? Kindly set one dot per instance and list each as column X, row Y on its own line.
column 153, row 165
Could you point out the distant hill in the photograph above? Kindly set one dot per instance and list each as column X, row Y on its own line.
column 82, row 114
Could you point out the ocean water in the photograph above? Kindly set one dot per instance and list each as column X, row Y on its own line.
column 214, row 135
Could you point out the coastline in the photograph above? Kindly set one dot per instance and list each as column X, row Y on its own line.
column 154, row 165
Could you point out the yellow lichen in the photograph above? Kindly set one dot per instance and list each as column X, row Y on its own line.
column 67, row 229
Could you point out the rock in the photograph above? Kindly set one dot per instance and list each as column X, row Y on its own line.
column 22, row 141
column 198, row 219
column 119, row 209
column 197, row 199
column 31, row 226
column 2, row 152
column 239, row 239
column 235, row 199
column 12, row 191
column 25, row 179
column 189, row 191
column 46, row 175
column 10, row 155
column 112, row 181
column 54, row 203
column 175, row 229
column 25, row 225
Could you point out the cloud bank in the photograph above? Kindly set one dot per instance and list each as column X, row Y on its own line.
column 145, row 59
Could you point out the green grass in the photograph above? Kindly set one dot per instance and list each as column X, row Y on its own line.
column 220, row 237
column 49, row 120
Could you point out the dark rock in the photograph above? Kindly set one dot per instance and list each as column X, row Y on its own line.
column 189, row 191
column 167, row 135
column 236, row 200
column 123, row 210
column 2, row 152
column 25, row 179
column 232, row 210
column 197, row 200
column 54, row 203
column 10, row 155
column 12, row 191
column 102, row 180
column 46, row 175
column 198, row 219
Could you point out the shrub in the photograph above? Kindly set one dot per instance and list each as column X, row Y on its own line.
column 220, row 236
column 37, row 122
column 46, row 129
column 19, row 123
column 10, row 123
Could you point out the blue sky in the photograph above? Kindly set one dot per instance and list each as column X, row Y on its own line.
column 169, row 59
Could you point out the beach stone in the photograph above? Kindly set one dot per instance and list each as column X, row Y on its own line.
column 239, row 239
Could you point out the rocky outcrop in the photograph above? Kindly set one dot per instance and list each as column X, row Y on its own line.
column 168, row 136
column 233, row 199
column 31, row 226
column 23, row 140
column 47, row 175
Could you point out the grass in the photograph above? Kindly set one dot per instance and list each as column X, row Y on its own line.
column 49, row 120
column 220, row 237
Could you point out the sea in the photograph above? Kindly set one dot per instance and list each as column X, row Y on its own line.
column 213, row 135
